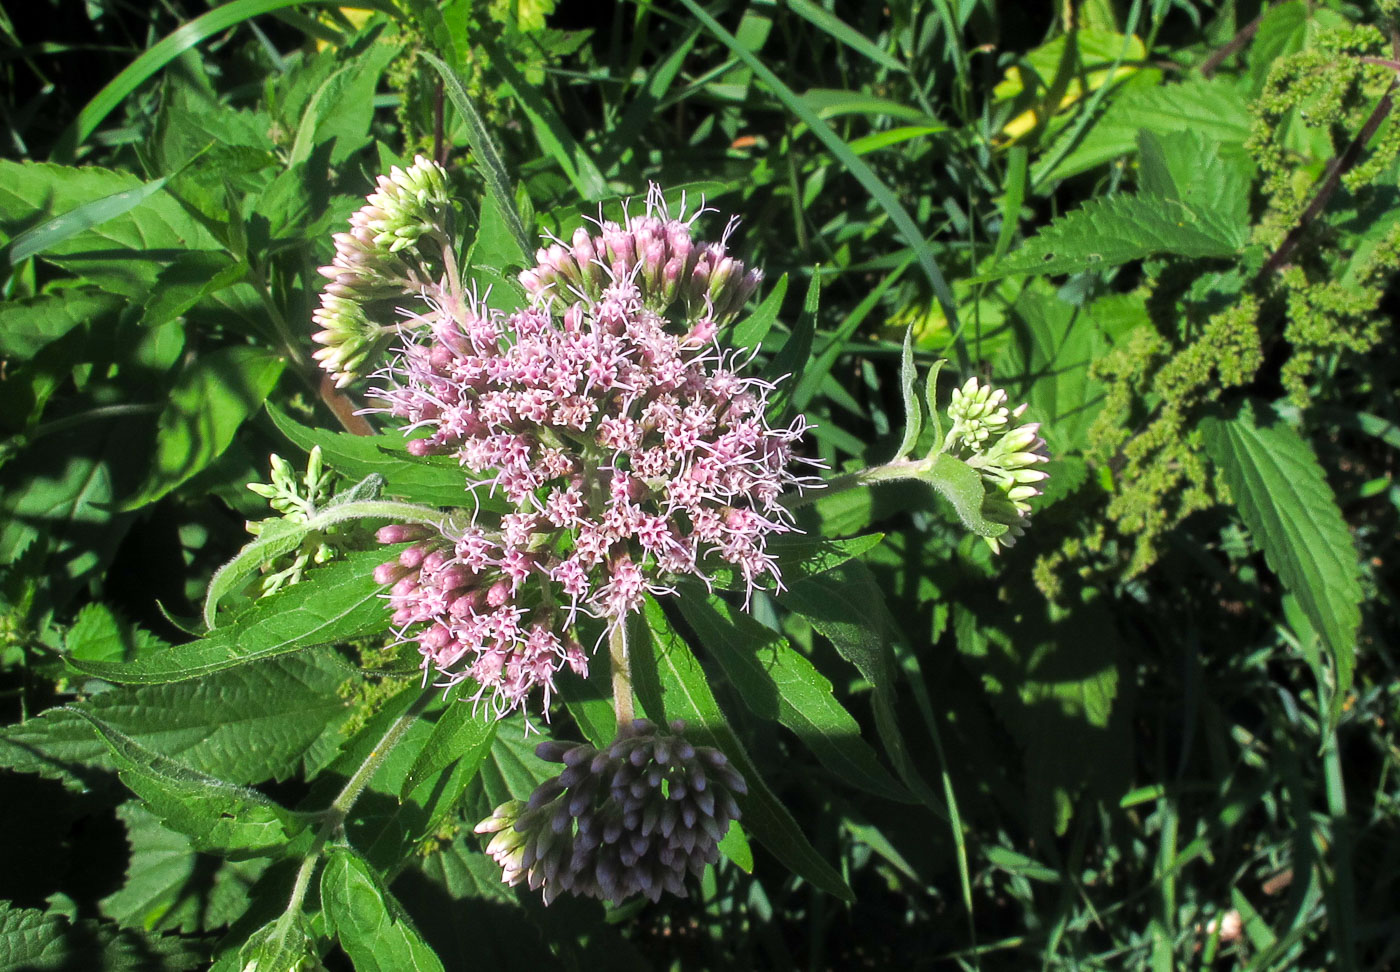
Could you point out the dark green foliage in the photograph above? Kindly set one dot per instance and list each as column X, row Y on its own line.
column 1157, row 732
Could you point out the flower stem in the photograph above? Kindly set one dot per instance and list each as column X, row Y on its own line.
column 888, row 472
column 621, row 674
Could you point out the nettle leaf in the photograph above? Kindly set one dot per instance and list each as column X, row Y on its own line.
column 337, row 602
column 1216, row 109
column 98, row 634
column 246, row 725
column 210, row 400
column 1190, row 168
column 368, row 921
column 1282, row 495
column 799, row 555
column 671, row 676
column 29, row 324
column 37, row 941
column 1112, row 230
column 218, row 816
column 778, row 683
column 167, row 886
column 433, row 483
column 123, row 253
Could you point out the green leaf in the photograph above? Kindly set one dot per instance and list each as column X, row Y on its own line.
column 168, row 886
column 123, row 254
column 35, row 941
column 1214, row 109
column 847, row 607
column 550, row 131
column 283, row 945
column 408, row 477
column 220, row 817
column 1282, row 495
column 98, row 634
column 488, row 160
column 369, row 922
column 29, row 324
column 65, row 226
column 866, row 176
column 841, row 31
column 913, row 409
column 961, row 485
column 210, row 400
column 750, row 332
column 684, row 693
column 791, row 359
column 778, row 683
column 246, row 725
column 1111, row 230
column 1191, row 169
column 336, row 602
column 463, row 732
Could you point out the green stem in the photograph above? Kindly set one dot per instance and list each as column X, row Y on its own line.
column 889, row 472
column 333, row 817
column 621, row 675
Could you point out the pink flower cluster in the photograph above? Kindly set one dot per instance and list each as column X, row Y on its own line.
column 631, row 448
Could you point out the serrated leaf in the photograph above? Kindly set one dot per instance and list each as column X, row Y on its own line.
column 100, row 635
column 750, row 332
column 1112, row 230
column 122, row 254
column 219, row 816
column 209, row 402
column 779, row 684
column 333, row 603
column 1282, row 495
column 167, row 888
column 247, row 725
column 369, row 922
column 684, row 693
column 35, row 941
column 1216, row 109
column 29, row 324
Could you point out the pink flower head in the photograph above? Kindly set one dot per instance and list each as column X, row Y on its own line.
column 633, row 450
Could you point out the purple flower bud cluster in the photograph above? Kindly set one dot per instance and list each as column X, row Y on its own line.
column 655, row 252
column 631, row 449
column 631, row 819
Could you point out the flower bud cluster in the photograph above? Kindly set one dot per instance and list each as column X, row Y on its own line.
column 377, row 260
column 630, row 448
column 1006, row 455
column 673, row 272
column 631, row 819
column 297, row 501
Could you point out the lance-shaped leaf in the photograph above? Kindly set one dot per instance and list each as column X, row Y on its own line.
column 370, row 923
column 750, row 332
column 219, row 816
column 333, row 603
column 778, row 683
column 672, row 685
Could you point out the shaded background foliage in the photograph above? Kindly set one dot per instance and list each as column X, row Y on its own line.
column 1156, row 733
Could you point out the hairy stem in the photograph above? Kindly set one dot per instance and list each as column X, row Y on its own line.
column 334, row 816
column 889, row 472
column 621, row 674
